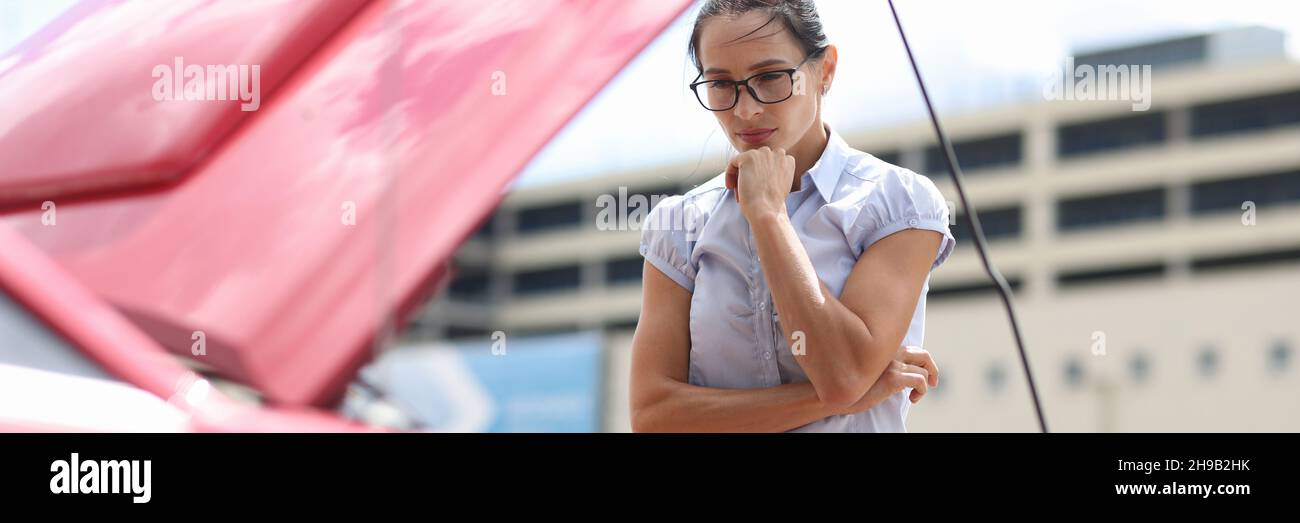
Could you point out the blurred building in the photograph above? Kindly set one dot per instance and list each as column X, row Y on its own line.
column 1154, row 255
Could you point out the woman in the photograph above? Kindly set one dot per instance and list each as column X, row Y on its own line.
column 776, row 302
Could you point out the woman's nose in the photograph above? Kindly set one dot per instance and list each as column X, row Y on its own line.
column 746, row 106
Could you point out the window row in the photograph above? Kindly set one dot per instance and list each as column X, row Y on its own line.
column 1078, row 139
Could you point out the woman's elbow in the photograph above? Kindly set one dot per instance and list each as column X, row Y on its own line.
column 645, row 409
column 641, row 422
column 645, row 418
column 842, row 392
column 847, row 381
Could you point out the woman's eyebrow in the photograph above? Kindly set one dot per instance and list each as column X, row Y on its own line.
column 760, row 65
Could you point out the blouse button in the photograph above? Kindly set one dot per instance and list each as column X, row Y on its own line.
column 767, row 355
column 912, row 222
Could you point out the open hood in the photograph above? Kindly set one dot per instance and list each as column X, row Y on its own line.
column 293, row 236
column 83, row 118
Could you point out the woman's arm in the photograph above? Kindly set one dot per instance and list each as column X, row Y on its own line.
column 848, row 342
column 662, row 400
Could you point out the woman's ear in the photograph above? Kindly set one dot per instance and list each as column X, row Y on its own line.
column 829, row 59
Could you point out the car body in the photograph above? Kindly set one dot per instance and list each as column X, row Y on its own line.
column 277, row 248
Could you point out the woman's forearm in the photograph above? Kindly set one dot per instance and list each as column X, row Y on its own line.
column 683, row 407
column 838, row 354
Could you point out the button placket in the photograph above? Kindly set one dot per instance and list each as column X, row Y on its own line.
column 763, row 328
column 769, row 352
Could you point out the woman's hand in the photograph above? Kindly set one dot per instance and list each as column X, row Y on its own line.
column 912, row 367
column 761, row 179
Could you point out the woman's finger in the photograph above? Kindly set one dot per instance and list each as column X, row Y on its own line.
column 920, row 357
column 915, row 381
column 909, row 368
column 733, row 171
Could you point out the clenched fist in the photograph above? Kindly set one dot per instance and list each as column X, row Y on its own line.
column 761, row 179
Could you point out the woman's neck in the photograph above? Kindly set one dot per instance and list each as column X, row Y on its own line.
column 809, row 149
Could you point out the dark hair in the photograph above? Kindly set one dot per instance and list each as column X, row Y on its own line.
column 799, row 17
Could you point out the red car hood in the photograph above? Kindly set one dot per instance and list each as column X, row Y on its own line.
column 294, row 236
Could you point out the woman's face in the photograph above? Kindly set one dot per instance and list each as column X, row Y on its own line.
column 724, row 55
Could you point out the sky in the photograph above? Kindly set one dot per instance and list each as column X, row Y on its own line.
column 973, row 54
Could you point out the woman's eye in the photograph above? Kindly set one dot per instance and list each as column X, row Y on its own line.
column 720, row 85
column 770, row 77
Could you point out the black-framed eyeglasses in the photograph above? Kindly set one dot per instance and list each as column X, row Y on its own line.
column 767, row 87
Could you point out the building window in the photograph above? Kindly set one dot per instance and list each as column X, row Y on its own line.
column 1250, row 114
column 1279, row 357
column 623, row 270
column 1139, row 367
column 560, row 215
column 1110, row 274
column 1105, row 135
column 1265, row 190
column 1207, row 362
column 470, row 287
column 549, row 330
column 652, row 195
column 1073, row 373
column 626, row 324
column 972, row 289
column 462, row 333
column 998, row 224
column 996, row 377
column 554, row 279
column 1245, row 261
column 976, row 154
column 1111, row 209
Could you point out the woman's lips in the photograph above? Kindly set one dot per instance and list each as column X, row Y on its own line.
column 755, row 136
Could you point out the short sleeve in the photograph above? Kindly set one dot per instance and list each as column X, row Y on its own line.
column 902, row 200
column 665, row 241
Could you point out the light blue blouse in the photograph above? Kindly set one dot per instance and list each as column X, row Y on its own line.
column 848, row 200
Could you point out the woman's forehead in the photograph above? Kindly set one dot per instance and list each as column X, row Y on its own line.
column 731, row 44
